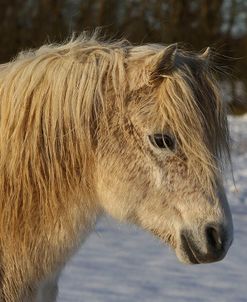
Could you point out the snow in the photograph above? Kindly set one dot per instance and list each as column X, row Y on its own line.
column 120, row 263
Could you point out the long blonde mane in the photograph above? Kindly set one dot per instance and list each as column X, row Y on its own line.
column 52, row 99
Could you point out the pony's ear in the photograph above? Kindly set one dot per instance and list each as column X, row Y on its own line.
column 206, row 54
column 164, row 62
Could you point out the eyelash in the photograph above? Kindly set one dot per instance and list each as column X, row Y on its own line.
column 162, row 141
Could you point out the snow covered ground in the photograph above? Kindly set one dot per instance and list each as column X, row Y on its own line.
column 119, row 263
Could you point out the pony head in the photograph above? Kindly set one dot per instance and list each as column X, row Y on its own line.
column 160, row 154
column 139, row 132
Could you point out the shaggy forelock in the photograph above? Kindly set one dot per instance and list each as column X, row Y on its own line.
column 190, row 106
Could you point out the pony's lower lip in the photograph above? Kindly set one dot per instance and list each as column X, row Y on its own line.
column 189, row 251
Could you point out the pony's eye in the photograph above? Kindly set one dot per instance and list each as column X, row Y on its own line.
column 162, row 141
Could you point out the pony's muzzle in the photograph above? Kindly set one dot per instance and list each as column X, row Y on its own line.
column 215, row 242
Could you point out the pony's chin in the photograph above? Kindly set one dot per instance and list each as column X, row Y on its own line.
column 186, row 256
column 186, row 259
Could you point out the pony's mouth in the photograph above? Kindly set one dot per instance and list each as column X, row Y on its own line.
column 189, row 250
column 216, row 247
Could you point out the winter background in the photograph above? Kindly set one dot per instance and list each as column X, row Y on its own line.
column 119, row 263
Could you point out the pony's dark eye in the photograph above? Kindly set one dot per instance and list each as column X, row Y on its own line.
column 162, row 141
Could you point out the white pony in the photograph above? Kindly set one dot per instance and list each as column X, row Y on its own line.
column 89, row 127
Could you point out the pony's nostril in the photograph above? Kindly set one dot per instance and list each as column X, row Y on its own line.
column 214, row 238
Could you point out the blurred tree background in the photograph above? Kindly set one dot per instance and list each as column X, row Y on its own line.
column 222, row 24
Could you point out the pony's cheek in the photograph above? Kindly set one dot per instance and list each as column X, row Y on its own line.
column 111, row 195
column 122, row 189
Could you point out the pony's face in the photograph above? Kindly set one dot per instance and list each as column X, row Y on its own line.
column 148, row 176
